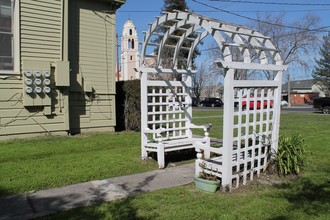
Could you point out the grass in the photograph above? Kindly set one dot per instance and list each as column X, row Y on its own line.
column 46, row 162
column 257, row 202
column 214, row 117
column 35, row 164
column 304, row 198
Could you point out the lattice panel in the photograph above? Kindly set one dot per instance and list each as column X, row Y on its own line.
column 252, row 132
column 167, row 109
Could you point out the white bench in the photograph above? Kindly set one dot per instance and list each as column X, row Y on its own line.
column 161, row 144
column 166, row 112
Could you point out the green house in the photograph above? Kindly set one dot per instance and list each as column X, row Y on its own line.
column 57, row 66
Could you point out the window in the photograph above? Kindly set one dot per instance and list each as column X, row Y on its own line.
column 131, row 57
column 132, row 43
column 130, row 31
column 7, row 36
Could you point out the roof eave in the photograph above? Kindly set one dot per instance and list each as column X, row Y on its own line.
column 116, row 3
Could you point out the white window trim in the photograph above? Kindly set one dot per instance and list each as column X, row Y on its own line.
column 16, row 45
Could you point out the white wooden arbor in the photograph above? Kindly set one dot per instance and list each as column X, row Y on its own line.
column 251, row 129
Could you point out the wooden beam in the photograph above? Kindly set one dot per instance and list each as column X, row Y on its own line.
column 250, row 66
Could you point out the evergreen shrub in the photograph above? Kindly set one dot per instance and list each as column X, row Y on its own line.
column 132, row 105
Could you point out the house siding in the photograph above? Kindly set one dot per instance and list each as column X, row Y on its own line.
column 92, row 59
column 41, row 30
column 15, row 119
column 90, row 102
column 96, row 49
column 40, row 27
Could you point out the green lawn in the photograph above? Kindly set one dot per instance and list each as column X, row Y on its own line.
column 39, row 163
column 46, row 162
column 302, row 200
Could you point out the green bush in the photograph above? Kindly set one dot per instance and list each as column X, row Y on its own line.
column 132, row 106
column 289, row 158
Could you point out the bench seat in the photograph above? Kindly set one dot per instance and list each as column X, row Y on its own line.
column 161, row 145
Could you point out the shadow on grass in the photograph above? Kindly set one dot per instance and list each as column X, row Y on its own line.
column 116, row 210
column 4, row 192
column 176, row 156
column 318, row 112
column 306, row 196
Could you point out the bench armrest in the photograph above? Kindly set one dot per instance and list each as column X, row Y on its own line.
column 204, row 150
column 206, row 128
column 158, row 132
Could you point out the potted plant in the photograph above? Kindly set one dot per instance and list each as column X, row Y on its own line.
column 206, row 181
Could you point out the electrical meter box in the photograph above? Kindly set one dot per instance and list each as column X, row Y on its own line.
column 37, row 83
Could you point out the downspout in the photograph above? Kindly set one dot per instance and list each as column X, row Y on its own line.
column 65, row 57
column 65, row 13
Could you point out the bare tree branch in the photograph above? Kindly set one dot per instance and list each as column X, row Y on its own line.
column 294, row 45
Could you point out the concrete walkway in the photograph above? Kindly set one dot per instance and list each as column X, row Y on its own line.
column 50, row 201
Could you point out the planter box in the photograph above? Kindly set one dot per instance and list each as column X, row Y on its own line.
column 206, row 185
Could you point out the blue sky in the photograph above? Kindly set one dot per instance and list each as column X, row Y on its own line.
column 142, row 12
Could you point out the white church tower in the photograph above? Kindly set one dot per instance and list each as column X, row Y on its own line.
column 129, row 52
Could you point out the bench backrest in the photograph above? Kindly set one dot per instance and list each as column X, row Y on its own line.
column 166, row 105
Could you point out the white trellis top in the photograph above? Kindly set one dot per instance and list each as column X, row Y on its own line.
column 185, row 30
